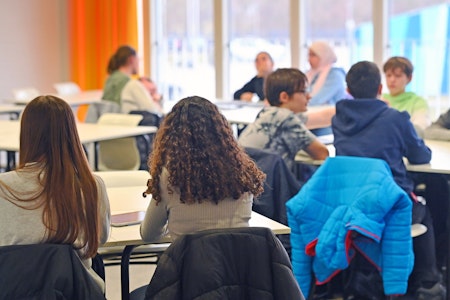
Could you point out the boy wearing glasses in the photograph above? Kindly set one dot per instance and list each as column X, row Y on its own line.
column 278, row 127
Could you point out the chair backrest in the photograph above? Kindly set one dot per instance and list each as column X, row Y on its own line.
column 50, row 272
column 145, row 142
column 119, row 154
column 124, row 178
column 95, row 110
column 232, row 263
column 280, row 186
column 67, row 88
column 25, row 94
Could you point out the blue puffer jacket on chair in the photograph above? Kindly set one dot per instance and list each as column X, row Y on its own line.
column 351, row 204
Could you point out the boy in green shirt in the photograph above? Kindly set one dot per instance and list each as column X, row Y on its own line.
column 398, row 71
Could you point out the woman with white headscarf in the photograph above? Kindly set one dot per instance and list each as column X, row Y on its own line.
column 326, row 82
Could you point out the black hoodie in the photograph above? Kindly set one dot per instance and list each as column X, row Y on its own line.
column 369, row 128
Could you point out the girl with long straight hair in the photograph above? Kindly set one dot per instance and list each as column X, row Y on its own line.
column 52, row 196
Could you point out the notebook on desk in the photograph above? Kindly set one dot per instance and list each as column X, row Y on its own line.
column 126, row 219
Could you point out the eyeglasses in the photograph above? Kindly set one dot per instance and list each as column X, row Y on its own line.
column 305, row 92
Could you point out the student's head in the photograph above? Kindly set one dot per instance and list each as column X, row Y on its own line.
column 398, row 71
column 364, row 80
column 49, row 142
column 196, row 145
column 48, row 132
column 263, row 63
column 321, row 54
column 151, row 87
column 125, row 56
column 286, row 87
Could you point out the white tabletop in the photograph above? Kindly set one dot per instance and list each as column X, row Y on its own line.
column 236, row 112
column 8, row 109
column 10, row 131
column 240, row 115
column 84, row 97
column 127, row 199
column 440, row 158
column 88, row 133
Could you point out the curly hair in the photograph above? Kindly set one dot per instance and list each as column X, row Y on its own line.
column 195, row 143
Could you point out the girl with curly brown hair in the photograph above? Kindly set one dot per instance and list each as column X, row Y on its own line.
column 201, row 178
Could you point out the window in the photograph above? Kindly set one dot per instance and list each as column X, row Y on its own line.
column 184, row 48
column 256, row 26
column 420, row 31
column 345, row 24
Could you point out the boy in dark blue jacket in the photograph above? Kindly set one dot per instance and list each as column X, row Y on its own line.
column 368, row 127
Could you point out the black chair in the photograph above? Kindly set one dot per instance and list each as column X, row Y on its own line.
column 233, row 263
column 280, row 186
column 45, row 271
column 145, row 142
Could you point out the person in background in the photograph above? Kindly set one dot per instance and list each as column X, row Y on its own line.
column 434, row 187
column 151, row 87
column 264, row 66
column 201, row 178
column 440, row 129
column 398, row 72
column 326, row 82
column 52, row 182
column 278, row 127
column 367, row 127
column 129, row 93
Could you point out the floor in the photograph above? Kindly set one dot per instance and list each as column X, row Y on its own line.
column 139, row 275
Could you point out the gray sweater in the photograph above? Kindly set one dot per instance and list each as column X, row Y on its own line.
column 172, row 217
column 21, row 226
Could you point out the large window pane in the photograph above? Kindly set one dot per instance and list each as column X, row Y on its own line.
column 184, row 51
column 420, row 31
column 346, row 24
column 256, row 26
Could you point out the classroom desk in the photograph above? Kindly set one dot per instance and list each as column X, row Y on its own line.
column 74, row 100
column 12, row 110
column 89, row 134
column 126, row 199
column 440, row 162
column 84, row 97
column 236, row 112
column 240, row 115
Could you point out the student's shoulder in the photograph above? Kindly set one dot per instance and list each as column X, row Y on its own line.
column 276, row 114
column 337, row 71
column 401, row 115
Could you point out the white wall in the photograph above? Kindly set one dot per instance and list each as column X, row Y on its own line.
column 33, row 45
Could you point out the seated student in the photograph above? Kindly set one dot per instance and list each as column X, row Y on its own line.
column 151, row 87
column 398, row 71
column 264, row 66
column 367, row 127
column 437, row 187
column 326, row 82
column 277, row 127
column 201, row 178
column 52, row 196
column 439, row 130
column 120, row 88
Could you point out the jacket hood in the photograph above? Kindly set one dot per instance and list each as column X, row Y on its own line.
column 354, row 115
